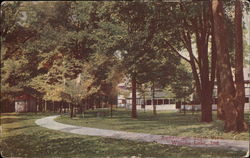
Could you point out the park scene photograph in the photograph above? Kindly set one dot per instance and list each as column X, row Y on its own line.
column 125, row 79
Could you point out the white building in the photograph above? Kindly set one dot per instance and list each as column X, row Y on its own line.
column 164, row 100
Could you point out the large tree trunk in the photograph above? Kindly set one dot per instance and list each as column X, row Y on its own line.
column 226, row 80
column 202, row 37
column 220, row 112
column 204, row 80
column 133, row 113
column 206, row 104
column 204, row 85
column 214, row 69
column 239, row 77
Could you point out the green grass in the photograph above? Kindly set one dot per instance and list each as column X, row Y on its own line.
column 165, row 123
column 21, row 137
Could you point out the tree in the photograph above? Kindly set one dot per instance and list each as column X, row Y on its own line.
column 58, row 41
column 132, row 16
column 239, row 77
column 144, row 60
column 192, row 23
column 228, row 93
column 225, row 74
column 203, row 71
column 106, row 75
column 17, row 66
column 231, row 30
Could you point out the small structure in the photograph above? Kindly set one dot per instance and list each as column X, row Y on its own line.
column 25, row 103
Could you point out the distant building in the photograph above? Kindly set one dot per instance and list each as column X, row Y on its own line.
column 165, row 100
column 25, row 103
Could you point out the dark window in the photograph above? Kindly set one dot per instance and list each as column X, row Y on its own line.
column 142, row 102
column 178, row 105
column 143, row 106
column 184, row 103
column 123, row 101
column 166, row 101
column 148, row 102
column 172, row 101
column 246, row 100
column 160, row 102
column 155, row 102
column 215, row 100
column 138, row 102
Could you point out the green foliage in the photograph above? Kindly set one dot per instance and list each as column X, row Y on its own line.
column 182, row 85
column 62, row 48
column 45, row 50
column 142, row 53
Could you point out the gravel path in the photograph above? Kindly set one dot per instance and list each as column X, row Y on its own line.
column 49, row 122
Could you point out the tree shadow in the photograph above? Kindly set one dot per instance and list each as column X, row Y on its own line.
column 31, row 145
column 22, row 127
column 11, row 120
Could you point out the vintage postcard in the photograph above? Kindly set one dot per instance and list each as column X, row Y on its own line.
column 125, row 79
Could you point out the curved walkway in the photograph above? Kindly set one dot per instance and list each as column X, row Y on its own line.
column 49, row 122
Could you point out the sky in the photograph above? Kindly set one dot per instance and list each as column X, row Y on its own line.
column 247, row 25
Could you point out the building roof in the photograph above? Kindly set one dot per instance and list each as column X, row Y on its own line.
column 24, row 97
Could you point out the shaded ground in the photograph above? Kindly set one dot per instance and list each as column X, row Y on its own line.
column 165, row 123
column 22, row 138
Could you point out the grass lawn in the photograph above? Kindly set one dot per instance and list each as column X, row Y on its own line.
column 21, row 137
column 165, row 123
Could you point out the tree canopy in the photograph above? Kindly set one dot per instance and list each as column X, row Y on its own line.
column 86, row 51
